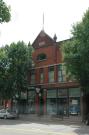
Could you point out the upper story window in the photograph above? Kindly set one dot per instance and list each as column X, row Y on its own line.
column 41, row 75
column 41, row 57
column 51, row 74
column 60, row 73
column 32, row 76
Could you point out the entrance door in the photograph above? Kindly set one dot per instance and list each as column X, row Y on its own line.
column 62, row 106
column 51, row 106
column 22, row 106
column 41, row 106
column 87, row 103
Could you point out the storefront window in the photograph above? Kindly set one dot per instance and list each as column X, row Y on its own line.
column 51, row 94
column 52, row 102
column 74, row 92
column 62, row 93
column 74, row 101
column 63, row 101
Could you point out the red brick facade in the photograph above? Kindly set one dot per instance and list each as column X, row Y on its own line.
column 46, row 45
column 47, row 75
column 53, row 54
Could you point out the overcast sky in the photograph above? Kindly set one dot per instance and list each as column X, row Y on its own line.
column 27, row 19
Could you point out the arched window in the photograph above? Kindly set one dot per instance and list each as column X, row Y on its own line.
column 41, row 57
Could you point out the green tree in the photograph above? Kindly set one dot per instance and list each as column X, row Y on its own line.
column 76, row 51
column 15, row 61
column 3, row 71
column 4, row 12
column 19, row 56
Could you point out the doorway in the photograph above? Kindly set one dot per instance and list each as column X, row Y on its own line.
column 62, row 106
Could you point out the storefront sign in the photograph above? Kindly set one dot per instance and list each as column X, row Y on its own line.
column 74, row 102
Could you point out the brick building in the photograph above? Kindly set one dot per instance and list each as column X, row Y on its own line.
column 50, row 90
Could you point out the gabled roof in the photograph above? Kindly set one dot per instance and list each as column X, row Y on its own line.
column 43, row 40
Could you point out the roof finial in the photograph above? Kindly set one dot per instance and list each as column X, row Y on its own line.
column 55, row 37
column 43, row 22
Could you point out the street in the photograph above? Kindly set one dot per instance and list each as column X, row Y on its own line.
column 19, row 127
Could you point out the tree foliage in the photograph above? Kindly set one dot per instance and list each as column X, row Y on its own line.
column 3, row 70
column 15, row 61
column 76, row 51
column 4, row 12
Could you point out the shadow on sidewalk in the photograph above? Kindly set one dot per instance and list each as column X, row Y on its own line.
column 51, row 119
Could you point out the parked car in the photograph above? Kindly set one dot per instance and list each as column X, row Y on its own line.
column 6, row 113
column 74, row 110
column 87, row 119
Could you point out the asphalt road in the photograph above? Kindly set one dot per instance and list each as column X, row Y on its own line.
column 19, row 127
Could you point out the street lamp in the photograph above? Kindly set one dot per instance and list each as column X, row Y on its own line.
column 40, row 99
column 38, row 91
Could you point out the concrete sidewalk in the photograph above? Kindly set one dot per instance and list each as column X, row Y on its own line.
column 52, row 119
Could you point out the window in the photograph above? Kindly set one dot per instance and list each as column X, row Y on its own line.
column 23, row 95
column 41, row 56
column 52, row 101
column 74, row 101
column 51, row 74
column 3, row 111
column 52, row 93
column 41, row 75
column 60, row 75
column 62, row 101
column 62, row 93
column 64, row 72
column 74, row 92
column 32, row 76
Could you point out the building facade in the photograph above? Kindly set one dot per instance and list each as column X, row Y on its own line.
column 50, row 91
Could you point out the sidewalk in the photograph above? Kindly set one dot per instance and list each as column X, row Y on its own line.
column 51, row 119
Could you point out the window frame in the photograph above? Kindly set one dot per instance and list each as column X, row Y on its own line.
column 50, row 79
column 41, row 73
column 39, row 57
column 32, row 72
column 60, row 73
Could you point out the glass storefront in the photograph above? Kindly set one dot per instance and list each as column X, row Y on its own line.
column 74, row 101
column 57, row 101
column 65, row 101
column 51, row 102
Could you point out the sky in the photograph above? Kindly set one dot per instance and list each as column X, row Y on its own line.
column 27, row 19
